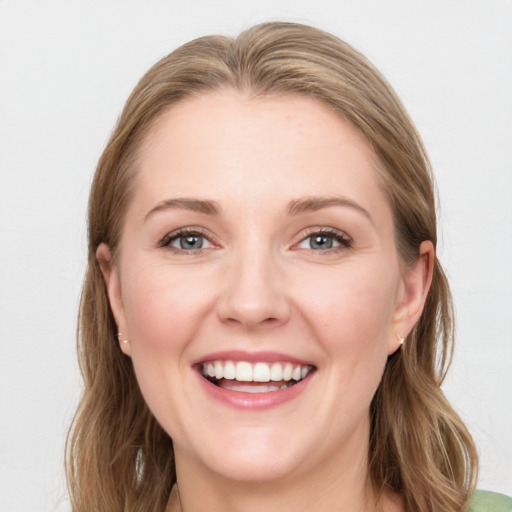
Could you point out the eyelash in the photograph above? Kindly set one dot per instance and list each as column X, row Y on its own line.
column 344, row 240
column 338, row 236
column 181, row 233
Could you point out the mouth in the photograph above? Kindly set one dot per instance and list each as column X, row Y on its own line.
column 254, row 377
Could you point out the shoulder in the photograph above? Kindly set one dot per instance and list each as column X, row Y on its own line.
column 486, row 501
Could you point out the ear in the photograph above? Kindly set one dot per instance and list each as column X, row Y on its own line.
column 412, row 294
column 112, row 281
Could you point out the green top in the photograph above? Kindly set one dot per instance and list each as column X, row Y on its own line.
column 486, row 501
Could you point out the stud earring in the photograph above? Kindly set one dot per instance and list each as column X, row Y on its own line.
column 400, row 339
column 119, row 337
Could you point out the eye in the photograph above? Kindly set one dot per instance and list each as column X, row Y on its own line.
column 187, row 240
column 325, row 240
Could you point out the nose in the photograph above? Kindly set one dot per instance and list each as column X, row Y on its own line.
column 254, row 295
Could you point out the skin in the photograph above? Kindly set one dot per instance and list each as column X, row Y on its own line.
column 258, row 284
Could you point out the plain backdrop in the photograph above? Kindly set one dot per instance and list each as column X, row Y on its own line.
column 66, row 68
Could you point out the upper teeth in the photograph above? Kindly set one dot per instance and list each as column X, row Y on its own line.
column 244, row 371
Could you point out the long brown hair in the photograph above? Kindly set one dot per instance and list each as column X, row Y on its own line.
column 118, row 457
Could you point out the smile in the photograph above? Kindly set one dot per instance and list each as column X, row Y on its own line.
column 258, row 377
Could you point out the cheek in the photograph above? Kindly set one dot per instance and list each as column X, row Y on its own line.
column 163, row 306
column 350, row 312
column 164, row 309
column 351, row 302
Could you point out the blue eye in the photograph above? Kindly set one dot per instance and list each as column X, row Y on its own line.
column 324, row 241
column 188, row 241
column 320, row 242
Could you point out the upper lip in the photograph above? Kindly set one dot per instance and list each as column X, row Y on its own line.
column 251, row 357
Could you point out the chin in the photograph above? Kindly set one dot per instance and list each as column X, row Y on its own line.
column 264, row 468
column 254, row 456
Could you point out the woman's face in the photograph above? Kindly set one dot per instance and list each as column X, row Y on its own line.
column 259, row 285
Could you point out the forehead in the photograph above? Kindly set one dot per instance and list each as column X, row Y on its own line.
column 228, row 145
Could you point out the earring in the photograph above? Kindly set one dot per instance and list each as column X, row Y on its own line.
column 119, row 338
column 400, row 339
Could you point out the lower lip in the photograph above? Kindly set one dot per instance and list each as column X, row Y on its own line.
column 254, row 401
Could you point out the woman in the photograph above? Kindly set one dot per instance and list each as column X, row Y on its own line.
column 264, row 323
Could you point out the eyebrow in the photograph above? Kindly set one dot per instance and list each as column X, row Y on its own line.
column 186, row 203
column 295, row 207
column 313, row 204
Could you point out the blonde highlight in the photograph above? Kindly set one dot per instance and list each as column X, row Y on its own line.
column 118, row 456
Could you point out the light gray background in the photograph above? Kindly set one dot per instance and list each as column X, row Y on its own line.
column 66, row 68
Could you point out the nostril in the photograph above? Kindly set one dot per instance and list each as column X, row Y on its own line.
column 254, row 322
column 270, row 320
column 252, row 304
